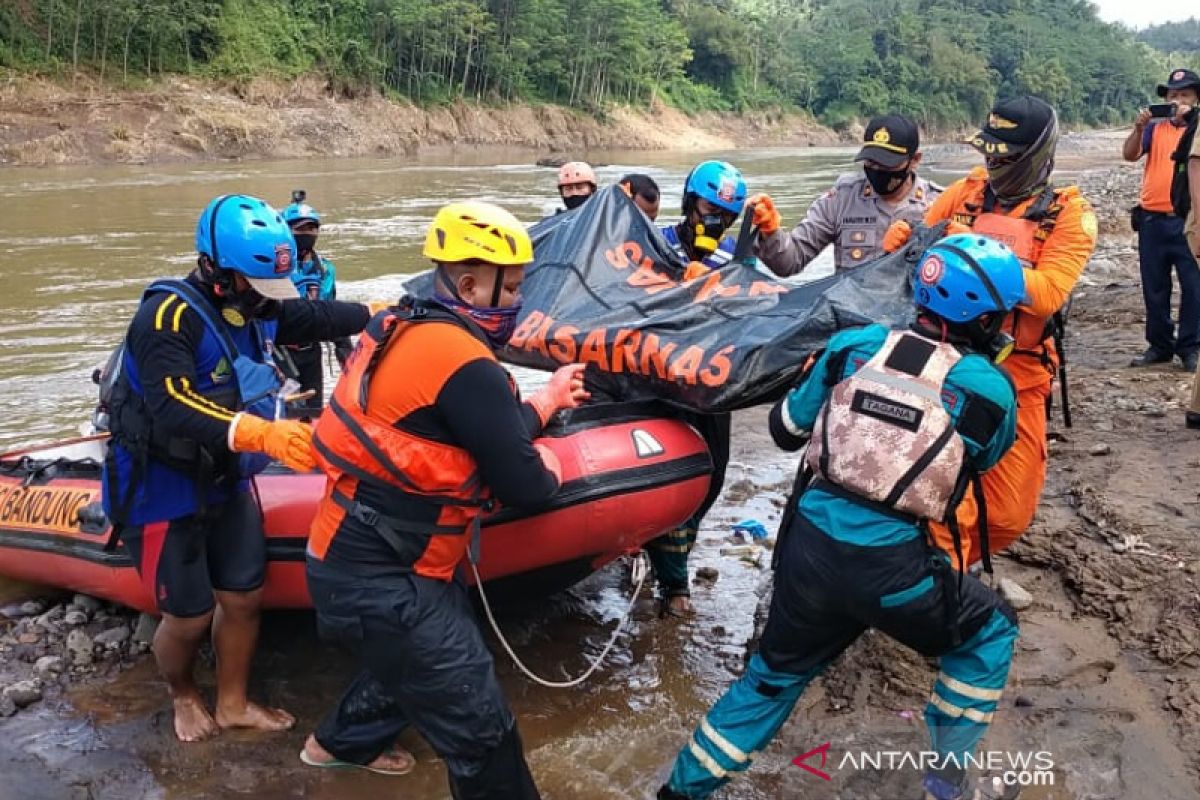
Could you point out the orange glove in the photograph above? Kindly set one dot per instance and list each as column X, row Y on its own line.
column 564, row 390
column 897, row 236
column 550, row 461
column 285, row 440
column 766, row 218
column 695, row 270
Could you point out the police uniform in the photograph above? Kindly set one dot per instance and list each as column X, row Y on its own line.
column 848, row 563
column 851, row 217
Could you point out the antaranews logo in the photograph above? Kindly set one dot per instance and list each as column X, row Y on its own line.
column 1010, row 767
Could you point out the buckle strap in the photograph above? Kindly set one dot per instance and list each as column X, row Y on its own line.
column 371, row 517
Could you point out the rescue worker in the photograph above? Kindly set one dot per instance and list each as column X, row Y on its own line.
column 576, row 183
column 713, row 196
column 1053, row 231
column 899, row 419
column 196, row 388
column 854, row 214
column 643, row 190
column 1162, row 245
column 425, row 432
column 315, row 278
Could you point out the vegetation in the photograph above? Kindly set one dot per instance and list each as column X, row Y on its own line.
column 942, row 61
column 1174, row 37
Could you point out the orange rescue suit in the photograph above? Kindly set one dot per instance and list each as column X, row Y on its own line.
column 1054, row 251
column 354, row 443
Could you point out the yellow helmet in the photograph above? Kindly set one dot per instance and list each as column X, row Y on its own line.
column 475, row 231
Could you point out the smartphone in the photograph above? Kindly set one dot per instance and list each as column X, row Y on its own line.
column 1165, row 110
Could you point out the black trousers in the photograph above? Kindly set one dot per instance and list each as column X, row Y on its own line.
column 425, row 664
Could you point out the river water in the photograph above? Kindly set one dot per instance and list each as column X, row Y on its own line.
column 78, row 244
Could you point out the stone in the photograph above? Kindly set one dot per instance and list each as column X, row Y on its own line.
column 79, row 648
column 29, row 638
column 87, row 603
column 1101, row 449
column 49, row 664
column 23, row 693
column 112, row 637
column 1023, row 702
column 32, row 608
column 709, row 574
column 143, row 632
column 1016, row 596
column 75, row 618
column 7, row 706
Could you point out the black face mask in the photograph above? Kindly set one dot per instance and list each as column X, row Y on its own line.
column 575, row 201
column 305, row 242
column 883, row 181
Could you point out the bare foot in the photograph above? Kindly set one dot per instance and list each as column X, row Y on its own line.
column 679, row 606
column 192, row 720
column 393, row 761
column 252, row 715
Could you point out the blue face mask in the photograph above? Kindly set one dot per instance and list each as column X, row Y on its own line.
column 497, row 323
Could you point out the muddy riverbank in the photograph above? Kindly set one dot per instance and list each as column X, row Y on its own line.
column 1106, row 677
column 45, row 122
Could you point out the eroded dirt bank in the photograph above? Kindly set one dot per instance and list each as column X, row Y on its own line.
column 43, row 122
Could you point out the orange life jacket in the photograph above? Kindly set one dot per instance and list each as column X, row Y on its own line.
column 1025, row 235
column 355, row 446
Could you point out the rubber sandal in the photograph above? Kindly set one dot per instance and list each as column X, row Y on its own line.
column 336, row 763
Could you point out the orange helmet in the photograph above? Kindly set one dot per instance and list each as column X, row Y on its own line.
column 576, row 172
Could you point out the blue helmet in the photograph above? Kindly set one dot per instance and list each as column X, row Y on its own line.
column 717, row 182
column 245, row 235
column 300, row 212
column 962, row 277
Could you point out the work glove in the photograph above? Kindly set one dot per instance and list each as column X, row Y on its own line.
column 766, row 217
column 564, row 390
column 550, row 461
column 695, row 270
column 897, row 236
column 286, row 440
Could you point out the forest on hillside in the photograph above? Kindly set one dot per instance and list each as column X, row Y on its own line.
column 941, row 61
column 1174, row 37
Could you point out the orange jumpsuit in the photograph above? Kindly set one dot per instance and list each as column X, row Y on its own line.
column 1054, row 252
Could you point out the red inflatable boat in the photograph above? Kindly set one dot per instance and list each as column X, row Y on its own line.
column 627, row 477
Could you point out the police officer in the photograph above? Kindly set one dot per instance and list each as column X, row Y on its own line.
column 196, row 388
column 857, row 211
column 425, row 433
column 713, row 196
column 899, row 419
column 315, row 278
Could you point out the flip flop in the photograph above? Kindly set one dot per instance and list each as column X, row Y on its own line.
column 336, row 763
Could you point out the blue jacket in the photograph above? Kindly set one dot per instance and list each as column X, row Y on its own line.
column 974, row 376
column 319, row 270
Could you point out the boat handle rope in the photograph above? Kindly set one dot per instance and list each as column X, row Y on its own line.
column 640, row 570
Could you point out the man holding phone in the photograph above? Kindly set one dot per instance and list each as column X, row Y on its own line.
column 1161, row 242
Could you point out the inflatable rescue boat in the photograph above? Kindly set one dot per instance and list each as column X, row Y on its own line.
column 628, row 476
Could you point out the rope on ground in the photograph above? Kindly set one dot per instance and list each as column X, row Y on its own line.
column 640, row 569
